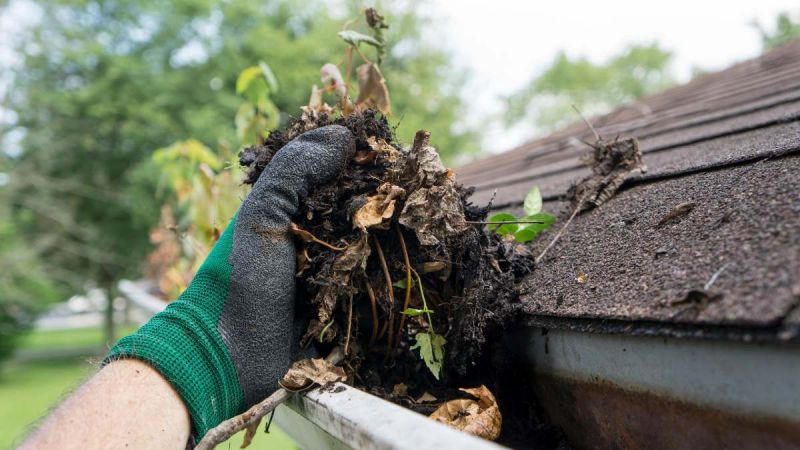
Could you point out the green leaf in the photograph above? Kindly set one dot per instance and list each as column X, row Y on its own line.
column 503, row 230
column 533, row 201
column 354, row 38
column 530, row 231
column 269, row 76
column 246, row 77
column 431, row 350
column 401, row 284
column 414, row 312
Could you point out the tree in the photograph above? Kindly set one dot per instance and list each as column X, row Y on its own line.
column 104, row 83
column 594, row 88
column 787, row 28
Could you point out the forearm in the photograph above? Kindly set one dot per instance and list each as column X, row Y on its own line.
column 126, row 405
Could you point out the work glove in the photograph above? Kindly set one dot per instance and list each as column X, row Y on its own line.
column 227, row 339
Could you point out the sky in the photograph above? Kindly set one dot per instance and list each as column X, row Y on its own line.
column 504, row 43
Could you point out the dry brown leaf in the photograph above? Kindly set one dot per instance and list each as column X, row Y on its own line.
column 400, row 390
column 250, row 433
column 379, row 207
column 306, row 372
column 303, row 261
column 433, row 266
column 332, row 78
column 372, row 90
column 581, row 278
column 478, row 417
column 426, row 397
column 384, row 149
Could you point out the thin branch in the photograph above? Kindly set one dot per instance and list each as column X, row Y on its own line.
column 504, row 222
column 389, row 286
column 588, row 124
column 407, row 262
column 561, row 231
column 230, row 427
column 374, row 307
column 349, row 325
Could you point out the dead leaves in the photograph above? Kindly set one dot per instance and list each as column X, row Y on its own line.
column 479, row 417
column 308, row 372
column 379, row 207
column 611, row 162
column 372, row 90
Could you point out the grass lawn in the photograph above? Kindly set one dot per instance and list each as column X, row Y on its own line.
column 29, row 389
column 80, row 337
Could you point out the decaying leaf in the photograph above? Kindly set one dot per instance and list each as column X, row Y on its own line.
column 306, row 372
column 384, row 149
column 372, row 90
column 332, row 78
column 479, row 417
column 379, row 207
column 435, row 214
column 303, row 262
column 250, row 433
column 400, row 390
column 611, row 162
column 337, row 284
column 426, row 397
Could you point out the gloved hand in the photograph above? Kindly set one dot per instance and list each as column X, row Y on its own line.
column 227, row 340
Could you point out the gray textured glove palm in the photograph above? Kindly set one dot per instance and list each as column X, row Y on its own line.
column 228, row 339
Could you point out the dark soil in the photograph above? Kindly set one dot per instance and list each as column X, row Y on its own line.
column 469, row 274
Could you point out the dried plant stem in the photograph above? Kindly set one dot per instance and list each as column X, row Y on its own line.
column 389, row 287
column 504, row 222
column 407, row 300
column 561, row 231
column 349, row 326
column 309, row 237
column 230, row 427
column 374, row 306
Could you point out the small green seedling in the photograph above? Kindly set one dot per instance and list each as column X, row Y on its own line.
column 517, row 226
column 429, row 344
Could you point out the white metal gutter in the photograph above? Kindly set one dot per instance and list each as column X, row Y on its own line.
column 354, row 419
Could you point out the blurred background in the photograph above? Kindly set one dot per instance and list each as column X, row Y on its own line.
column 121, row 121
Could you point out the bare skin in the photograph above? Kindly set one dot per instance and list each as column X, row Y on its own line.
column 127, row 405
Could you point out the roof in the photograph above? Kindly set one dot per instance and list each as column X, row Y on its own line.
column 725, row 150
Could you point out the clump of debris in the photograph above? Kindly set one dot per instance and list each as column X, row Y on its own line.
column 397, row 266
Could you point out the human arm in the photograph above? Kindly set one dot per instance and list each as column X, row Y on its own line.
column 227, row 340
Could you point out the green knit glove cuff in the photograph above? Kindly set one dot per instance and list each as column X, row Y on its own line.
column 183, row 344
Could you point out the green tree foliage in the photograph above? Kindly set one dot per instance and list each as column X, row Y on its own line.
column 785, row 29
column 103, row 83
column 594, row 88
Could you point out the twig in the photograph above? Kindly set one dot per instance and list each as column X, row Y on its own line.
column 373, row 305
column 561, row 231
column 714, row 277
column 349, row 325
column 389, row 286
column 424, row 302
column 230, row 427
column 407, row 262
column 504, row 222
column 588, row 124
column 307, row 236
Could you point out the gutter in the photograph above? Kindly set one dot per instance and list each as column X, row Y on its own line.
column 344, row 417
column 621, row 391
